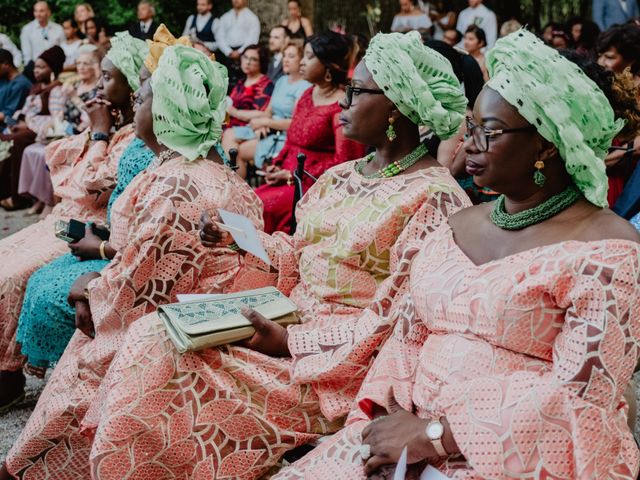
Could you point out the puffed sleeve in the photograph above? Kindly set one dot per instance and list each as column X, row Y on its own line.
column 568, row 421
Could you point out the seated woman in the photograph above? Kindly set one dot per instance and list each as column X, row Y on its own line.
column 249, row 98
column 35, row 179
column 47, row 320
column 271, row 127
column 410, row 18
column 71, row 45
column 83, row 171
column 524, row 327
column 474, row 41
column 154, row 228
column 96, row 34
column 299, row 25
column 240, row 408
column 45, row 102
column 315, row 130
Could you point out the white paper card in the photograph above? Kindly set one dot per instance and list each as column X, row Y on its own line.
column 401, row 466
column 431, row 473
column 244, row 234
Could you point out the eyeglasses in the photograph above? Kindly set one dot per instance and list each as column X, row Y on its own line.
column 250, row 59
column 350, row 91
column 482, row 134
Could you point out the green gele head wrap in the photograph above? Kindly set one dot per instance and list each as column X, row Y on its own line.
column 418, row 80
column 566, row 107
column 127, row 54
column 189, row 92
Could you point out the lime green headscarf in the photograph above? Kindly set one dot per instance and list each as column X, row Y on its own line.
column 566, row 106
column 128, row 54
column 418, row 80
column 188, row 101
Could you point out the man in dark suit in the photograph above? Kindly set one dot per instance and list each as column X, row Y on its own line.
column 278, row 39
column 146, row 26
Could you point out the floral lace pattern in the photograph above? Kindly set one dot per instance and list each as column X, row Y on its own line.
column 527, row 357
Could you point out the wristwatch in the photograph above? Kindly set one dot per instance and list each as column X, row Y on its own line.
column 435, row 432
column 99, row 137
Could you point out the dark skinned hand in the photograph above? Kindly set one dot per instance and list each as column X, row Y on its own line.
column 84, row 320
column 88, row 247
column 101, row 115
column 388, row 436
column 211, row 235
column 277, row 177
column 269, row 339
column 76, row 293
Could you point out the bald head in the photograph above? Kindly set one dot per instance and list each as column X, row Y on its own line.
column 41, row 12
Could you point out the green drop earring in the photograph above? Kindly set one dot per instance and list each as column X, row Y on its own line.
column 391, row 132
column 538, row 177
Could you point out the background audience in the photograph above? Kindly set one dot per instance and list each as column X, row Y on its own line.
column 299, row 25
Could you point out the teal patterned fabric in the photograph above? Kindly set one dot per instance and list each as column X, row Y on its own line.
column 47, row 321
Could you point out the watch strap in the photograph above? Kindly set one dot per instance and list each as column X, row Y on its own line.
column 437, row 442
column 99, row 137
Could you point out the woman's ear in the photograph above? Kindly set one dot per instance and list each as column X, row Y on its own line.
column 547, row 151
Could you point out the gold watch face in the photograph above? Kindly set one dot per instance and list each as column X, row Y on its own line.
column 435, row 430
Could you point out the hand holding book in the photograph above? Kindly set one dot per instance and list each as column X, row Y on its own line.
column 270, row 338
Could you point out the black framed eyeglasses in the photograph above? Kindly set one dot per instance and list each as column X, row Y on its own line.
column 482, row 134
column 350, row 91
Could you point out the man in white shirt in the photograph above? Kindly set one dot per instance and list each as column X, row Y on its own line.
column 145, row 27
column 278, row 39
column 40, row 34
column 202, row 26
column 7, row 44
column 478, row 14
column 238, row 28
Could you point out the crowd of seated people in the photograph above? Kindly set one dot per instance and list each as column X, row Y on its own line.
column 451, row 224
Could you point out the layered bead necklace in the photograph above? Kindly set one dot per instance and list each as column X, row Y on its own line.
column 538, row 214
column 394, row 168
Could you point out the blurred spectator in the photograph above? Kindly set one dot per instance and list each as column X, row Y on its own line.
column 478, row 14
column 410, row 18
column 278, row 38
column 612, row 12
column 7, row 44
column 443, row 16
column 584, row 36
column 298, row 24
column 452, row 37
column 474, row 41
column 249, row 97
column 547, row 32
column 146, row 26
column 82, row 13
column 271, row 125
column 510, row 26
column 619, row 48
column 71, row 44
column 14, row 88
column 40, row 34
column 96, row 35
column 45, row 102
column 360, row 43
column 35, row 180
column 202, row 25
column 560, row 39
column 236, row 30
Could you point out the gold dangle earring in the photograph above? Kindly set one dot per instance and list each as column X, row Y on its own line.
column 391, row 132
column 328, row 77
column 538, row 177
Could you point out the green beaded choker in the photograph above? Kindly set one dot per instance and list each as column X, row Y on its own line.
column 542, row 212
column 394, row 168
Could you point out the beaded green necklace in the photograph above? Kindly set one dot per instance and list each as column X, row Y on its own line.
column 542, row 212
column 394, row 168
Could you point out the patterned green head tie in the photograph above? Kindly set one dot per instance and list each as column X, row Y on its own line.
column 128, row 54
column 188, row 106
column 567, row 107
column 418, row 80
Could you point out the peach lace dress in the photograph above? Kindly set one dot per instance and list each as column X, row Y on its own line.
column 527, row 357
column 231, row 413
column 83, row 177
column 154, row 227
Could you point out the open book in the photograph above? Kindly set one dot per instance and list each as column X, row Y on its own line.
column 218, row 321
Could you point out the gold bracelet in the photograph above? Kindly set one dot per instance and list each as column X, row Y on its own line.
column 103, row 254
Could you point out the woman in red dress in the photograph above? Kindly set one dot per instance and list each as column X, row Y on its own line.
column 315, row 128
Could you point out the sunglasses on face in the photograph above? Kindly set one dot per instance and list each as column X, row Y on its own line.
column 350, row 91
column 482, row 134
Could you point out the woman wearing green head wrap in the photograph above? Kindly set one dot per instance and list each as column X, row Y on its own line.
column 241, row 407
column 526, row 323
column 154, row 229
column 83, row 172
